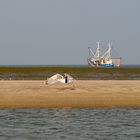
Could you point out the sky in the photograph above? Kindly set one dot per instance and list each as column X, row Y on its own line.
column 59, row 32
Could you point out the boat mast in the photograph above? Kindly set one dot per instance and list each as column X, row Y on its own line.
column 109, row 50
column 107, row 54
column 98, row 51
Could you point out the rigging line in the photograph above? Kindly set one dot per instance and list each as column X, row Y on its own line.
column 116, row 51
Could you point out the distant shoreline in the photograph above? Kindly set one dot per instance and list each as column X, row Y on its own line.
column 80, row 73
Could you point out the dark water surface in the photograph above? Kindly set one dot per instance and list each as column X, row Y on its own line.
column 70, row 124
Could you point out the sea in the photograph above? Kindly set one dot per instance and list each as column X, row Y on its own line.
column 70, row 124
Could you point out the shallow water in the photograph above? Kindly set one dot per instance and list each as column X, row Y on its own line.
column 71, row 124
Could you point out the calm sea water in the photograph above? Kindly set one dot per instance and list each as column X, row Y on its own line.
column 70, row 124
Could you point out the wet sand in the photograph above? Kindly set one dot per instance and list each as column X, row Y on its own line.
column 80, row 94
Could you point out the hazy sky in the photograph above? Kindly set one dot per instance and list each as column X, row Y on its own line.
column 54, row 32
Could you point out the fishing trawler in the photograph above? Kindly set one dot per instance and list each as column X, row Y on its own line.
column 102, row 59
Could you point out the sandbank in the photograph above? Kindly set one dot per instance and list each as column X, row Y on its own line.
column 80, row 94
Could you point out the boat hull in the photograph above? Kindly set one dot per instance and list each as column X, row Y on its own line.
column 106, row 65
column 91, row 64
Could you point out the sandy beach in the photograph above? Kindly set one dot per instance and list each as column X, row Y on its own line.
column 80, row 94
